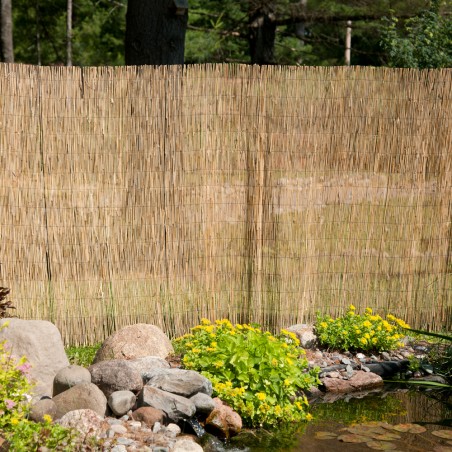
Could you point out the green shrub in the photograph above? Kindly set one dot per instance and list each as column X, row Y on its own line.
column 367, row 332
column 82, row 355
column 21, row 433
column 259, row 375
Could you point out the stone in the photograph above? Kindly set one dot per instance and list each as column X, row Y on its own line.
column 81, row 396
column 40, row 342
column 360, row 381
column 305, row 334
column 70, row 376
column 186, row 444
column 148, row 363
column 178, row 381
column 149, row 416
column 121, row 402
column 42, row 407
column 135, row 341
column 176, row 407
column 223, row 421
column 204, row 404
column 115, row 375
column 86, row 421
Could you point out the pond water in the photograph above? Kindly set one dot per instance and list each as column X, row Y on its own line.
column 432, row 410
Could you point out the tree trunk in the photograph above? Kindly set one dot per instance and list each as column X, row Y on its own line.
column 155, row 32
column 6, row 27
column 69, row 34
column 262, row 33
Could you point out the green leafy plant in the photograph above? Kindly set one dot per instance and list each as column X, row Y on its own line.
column 424, row 41
column 83, row 355
column 260, row 375
column 21, row 433
column 367, row 332
column 439, row 356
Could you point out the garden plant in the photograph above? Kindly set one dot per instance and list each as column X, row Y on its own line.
column 366, row 332
column 260, row 375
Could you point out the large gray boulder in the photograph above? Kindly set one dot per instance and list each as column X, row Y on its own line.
column 135, row 341
column 115, row 375
column 175, row 407
column 178, row 381
column 81, row 396
column 40, row 342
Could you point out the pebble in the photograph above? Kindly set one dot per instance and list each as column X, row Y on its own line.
column 346, row 361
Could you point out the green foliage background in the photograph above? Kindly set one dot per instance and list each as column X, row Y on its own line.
column 218, row 32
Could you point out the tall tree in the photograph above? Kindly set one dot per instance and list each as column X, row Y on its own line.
column 155, row 31
column 6, row 27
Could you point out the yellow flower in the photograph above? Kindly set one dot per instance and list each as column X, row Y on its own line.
column 289, row 361
column 363, row 340
column 358, row 331
column 274, row 362
column 324, row 324
column 218, row 364
column 352, row 308
column 287, row 382
column 367, row 336
column 367, row 324
column 309, row 417
column 14, row 421
column 368, row 311
column 261, row 395
column 47, row 418
column 205, row 321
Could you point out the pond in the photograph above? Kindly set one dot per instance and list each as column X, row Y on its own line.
column 370, row 415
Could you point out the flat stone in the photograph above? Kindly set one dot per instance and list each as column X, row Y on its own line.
column 178, row 381
column 360, row 381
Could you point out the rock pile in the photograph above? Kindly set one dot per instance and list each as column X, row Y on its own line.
column 130, row 398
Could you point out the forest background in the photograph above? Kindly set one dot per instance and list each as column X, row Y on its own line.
column 398, row 33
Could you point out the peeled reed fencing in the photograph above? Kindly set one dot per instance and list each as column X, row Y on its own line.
column 259, row 194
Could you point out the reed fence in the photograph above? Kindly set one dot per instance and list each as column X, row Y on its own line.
column 262, row 194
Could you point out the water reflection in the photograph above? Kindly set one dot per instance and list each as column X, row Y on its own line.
column 431, row 409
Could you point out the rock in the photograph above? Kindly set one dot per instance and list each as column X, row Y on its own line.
column 115, row 375
column 204, row 404
column 178, row 381
column 121, row 402
column 388, row 368
column 86, row 421
column 434, row 378
column 360, row 381
column 175, row 407
column 346, row 361
column 386, row 356
column 223, row 421
column 80, row 397
column 40, row 341
column 305, row 334
column 68, row 377
column 149, row 416
column 361, row 356
column 148, row 363
column 187, row 444
column 135, row 341
column 42, row 407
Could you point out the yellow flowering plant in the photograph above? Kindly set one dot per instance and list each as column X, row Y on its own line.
column 260, row 375
column 366, row 332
